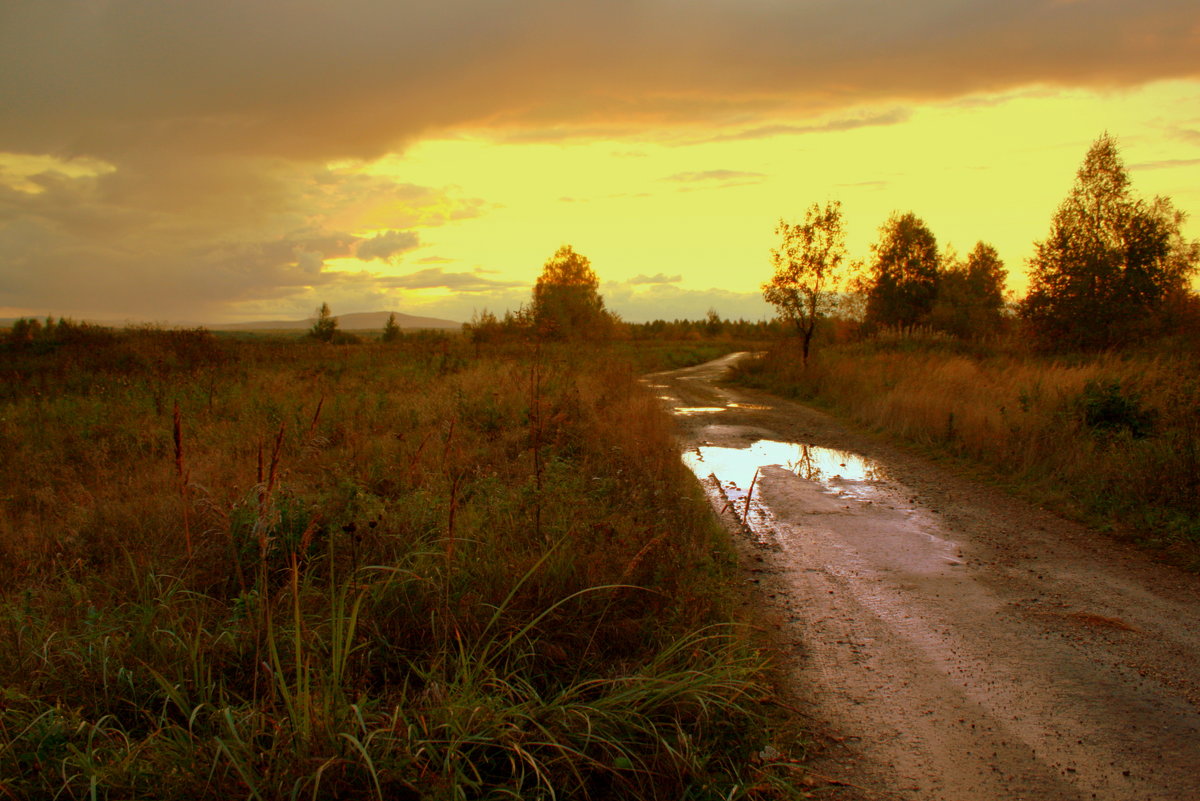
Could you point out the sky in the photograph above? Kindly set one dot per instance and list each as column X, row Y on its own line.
column 213, row 161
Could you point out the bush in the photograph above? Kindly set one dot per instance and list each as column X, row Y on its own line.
column 1106, row 410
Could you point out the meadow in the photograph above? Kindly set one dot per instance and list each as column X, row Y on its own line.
column 1112, row 439
column 277, row 568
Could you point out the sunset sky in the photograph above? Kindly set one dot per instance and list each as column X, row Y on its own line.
column 223, row 160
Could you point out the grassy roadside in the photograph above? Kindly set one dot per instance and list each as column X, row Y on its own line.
column 1112, row 440
column 290, row 570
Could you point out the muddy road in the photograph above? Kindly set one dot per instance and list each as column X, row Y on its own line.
column 948, row 641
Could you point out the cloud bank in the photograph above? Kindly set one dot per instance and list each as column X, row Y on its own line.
column 212, row 122
column 312, row 79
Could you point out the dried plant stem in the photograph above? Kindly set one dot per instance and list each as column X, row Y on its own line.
column 535, row 434
column 267, row 491
column 749, row 495
column 181, row 478
column 312, row 427
column 455, row 483
column 273, row 474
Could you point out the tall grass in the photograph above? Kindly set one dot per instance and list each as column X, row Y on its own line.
column 291, row 570
column 1114, row 439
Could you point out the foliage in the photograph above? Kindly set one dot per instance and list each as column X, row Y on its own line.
column 904, row 274
column 807, row 265
column 970, row 298
column 30, row 334
column 325, row 327
column 25, row 332
column 696, row 330
column 1108, row 410
column 415, row 573
column 566, row 300
column 714, row 326
column 391, row 329
column 1110, row 262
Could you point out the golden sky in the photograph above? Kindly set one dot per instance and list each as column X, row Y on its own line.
column 221, row 160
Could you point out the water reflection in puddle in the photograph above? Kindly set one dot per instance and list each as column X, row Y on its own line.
column 688, row 410
column 807, row 461
column 736, row 472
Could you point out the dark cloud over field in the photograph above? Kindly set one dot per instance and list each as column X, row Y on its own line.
column 193, row 239
column 387, row 245
column 214, row 119
column 715, row 179
column 437, row 278
column 308, row 78
column 657, row 278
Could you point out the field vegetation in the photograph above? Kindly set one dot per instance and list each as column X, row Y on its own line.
column 430, row 568
column 1112, row 438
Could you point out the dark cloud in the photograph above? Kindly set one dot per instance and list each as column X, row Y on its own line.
column 1187, row 134
column 437, row 278
column 215, row 119
column 192, row 239
column 893, row 117
column 386, row 245
column 312, row 79
column 658, row 278
column 867, row 185
column 717, row 176
column 1166, row 164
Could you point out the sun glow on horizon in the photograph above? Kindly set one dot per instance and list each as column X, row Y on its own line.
column 986, row 168
column 679, row 220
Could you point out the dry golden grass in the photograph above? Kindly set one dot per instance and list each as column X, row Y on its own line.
column 1113, row 438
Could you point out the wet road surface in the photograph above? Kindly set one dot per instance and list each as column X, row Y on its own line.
column 954, row 643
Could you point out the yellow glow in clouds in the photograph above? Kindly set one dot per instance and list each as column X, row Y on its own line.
column 685, row 202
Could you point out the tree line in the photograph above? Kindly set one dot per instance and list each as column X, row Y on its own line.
column 1113, row 270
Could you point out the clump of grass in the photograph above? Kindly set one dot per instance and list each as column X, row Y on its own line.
column 407, row 571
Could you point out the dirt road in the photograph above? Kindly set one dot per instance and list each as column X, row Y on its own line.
column 954, row 643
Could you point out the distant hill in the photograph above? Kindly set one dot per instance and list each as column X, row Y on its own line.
column 361, row 321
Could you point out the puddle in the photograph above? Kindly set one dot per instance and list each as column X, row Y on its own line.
column 686, row 410
column 736, row 471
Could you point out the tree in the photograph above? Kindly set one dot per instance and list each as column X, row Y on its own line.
column 566, row 300
column 25, row 331
column 1110, row 262
column 970, row 299
column 391, row 329
column 714, row 326
column 807, row 265
column 325, row 327
column 904, row 276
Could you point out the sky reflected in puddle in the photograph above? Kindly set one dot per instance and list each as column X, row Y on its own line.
column 685, row 410
column 736, row 471
column 807, row 461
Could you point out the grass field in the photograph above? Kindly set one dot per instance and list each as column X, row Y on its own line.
column 1111, row 439
column 281, row 569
